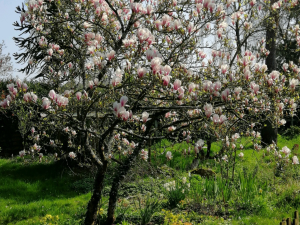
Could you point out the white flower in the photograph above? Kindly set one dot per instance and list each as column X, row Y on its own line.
column 169, row 155
column 72, row 155
column 22, row 153
column 295, row 160
column 241, row 155
column 225, row 158
column 285, row 150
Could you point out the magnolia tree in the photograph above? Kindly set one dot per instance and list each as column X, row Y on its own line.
column 141, row 72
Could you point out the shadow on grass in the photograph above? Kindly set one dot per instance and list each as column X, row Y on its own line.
column 33, row 182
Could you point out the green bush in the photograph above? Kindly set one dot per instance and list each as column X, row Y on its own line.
column 291, row 132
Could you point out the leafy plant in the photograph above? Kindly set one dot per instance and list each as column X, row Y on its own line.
column 291, row 132
column 151, row 206
column 176, row 191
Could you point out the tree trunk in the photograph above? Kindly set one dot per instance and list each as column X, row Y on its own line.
column 268, row 133
column 91, row 214
column 208, row 148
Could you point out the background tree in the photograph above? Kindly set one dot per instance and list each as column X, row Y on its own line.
column 5, row 62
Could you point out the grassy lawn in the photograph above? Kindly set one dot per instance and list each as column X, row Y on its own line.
column 49, row 193
column 30, row 192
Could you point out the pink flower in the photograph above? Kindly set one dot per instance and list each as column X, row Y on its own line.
column 123, row 100
column 141, row 72
column 91, row 84
column 224, row 69
column 208, row 109
column 10, row 87
column 172, row 128
column 293, row 83
column 166, row 80
column 46, row 103
column 96, row 81
column 225, row 94
column 111, row 55
column 177, row 84
column 50, row 51
column 222, row 119
column 125, row 115
column 78, row 95
column 25, row 87
column 143, row 128
column 116, row 80
column 167, row 69
column 19, row 83
column 52, row 94
column 191, row 87
column 145, row 117
column 62, row 101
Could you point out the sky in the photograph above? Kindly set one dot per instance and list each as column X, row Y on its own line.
column 7, row 17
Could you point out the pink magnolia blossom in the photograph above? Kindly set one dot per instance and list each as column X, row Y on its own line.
column 191, row 87
column 225, row 94
column 10, row 87
column 166, row 80
column 78, row 95
column 123, row 100
column 145, row 117
column 62, row 101
column 177, row 84
column 224, row 69
column 143, row 128
column 52, row 94
column 141, row 72
column 208, row 110
column 19, row 83
column 116, row 80
column 172, row 128
column 293, row 83
column 91, row 84
column 125, row 115
column 46, row 103
column 111, row 55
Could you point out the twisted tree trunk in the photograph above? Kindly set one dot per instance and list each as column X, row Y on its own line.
column 91, row 214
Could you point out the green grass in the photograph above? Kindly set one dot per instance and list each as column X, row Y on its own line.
column 31, row 191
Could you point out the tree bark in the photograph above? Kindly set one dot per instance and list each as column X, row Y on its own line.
column 91, row 214
column 123, row 170
column 208, row 148
column 268, row 133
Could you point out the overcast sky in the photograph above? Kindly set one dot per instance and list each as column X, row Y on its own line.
column 7, row 17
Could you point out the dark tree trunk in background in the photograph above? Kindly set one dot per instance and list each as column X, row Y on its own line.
column 208, row 147
column 91, row 214
column 269, row 133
